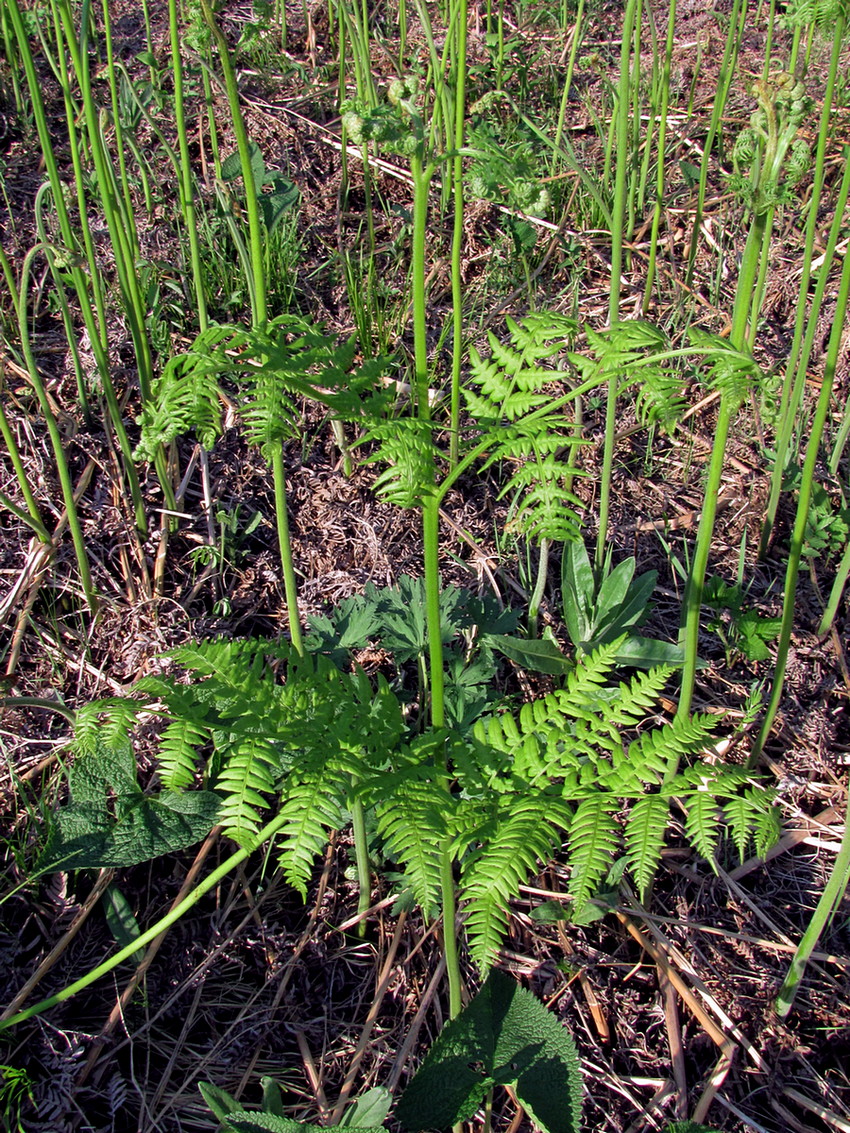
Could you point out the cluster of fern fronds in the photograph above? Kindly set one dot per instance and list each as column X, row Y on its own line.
column 265, row 727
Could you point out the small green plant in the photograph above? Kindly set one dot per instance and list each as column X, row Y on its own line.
column 744, row 630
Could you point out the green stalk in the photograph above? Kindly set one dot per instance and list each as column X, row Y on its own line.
column 170, row 918
column 661, row 149
column 728, row 407
column 724, row 81
column 807, row 317
column 30, row 520
column 539, row 586
column 842, row 573
column 823, row 914
column 457, row 232
column 252, row 208
column 290, row 585
column 187, row 188
column 361, row 857
column 55, row 437
column 568, row 80
column 119, row 223
column 447, row 887
column 618, row 219
column 805, row 496
column 95, row 327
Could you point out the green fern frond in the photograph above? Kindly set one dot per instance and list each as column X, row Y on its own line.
column 312, row 808
column 549, row 510
column 742, row 814
column 248, row 775
column 177, row 755
column 105, row 723
column 414, row 819
column 185, row 397
column 406, row 445
column 703, row 824
column 732, row 372
column 658, row 749
column 766, row 830
column 520, row 835
column 644, row 838
column 593, row 840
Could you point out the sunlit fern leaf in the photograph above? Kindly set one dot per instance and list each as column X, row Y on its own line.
column 548, row 509
column 644, row 838
column 406, row 446
column 703, row 824
column 414, row 821
column 105, row 723
column 247, row 778
column 766, row 830
column 658, row 749
column 522, row 836
column 178, row 755
column 742, row 813
column 185, row 397
column 734, row 373
column 312, row 807
column 593, row 839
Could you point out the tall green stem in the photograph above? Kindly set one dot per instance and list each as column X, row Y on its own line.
column 457, row 232
column 55, row 437
column 290, row 586
column 805, row 496
column 618, row 219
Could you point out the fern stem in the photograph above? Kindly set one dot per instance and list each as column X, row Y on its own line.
column 290, row 586
column 170, row 918
column 447, row 885
column 539, row 586
column 805, row 496
column 252, row 207
column 361, row 857
column 618, row 222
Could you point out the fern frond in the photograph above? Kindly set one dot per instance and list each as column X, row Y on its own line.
column 177, row 755
column 105, row 723
column 742, row 814
column 549, row 510
column 593, row 839
column 414, row 819
column 248, row 774
column 185, row 397
column 406, row 445
column 732, row 372
column 644, row 838
column 521, row 836
column 657, row 749
column 312, row 807
column 702, row 826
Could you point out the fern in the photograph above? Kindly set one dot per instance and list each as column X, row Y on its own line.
column 644, row 838
column 594, row 837
column 518, row 834
column 509, row 403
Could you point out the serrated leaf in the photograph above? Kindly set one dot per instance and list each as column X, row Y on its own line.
column 503, row 1037
column 219, row 1101
column 244, row 1121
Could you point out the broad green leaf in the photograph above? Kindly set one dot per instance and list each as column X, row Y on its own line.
column 503, row 1037
column 613, row 591
column 538, row 654
column 110, row 822
column 577, row 589
column 243, row 1121
column 219, row 1101
column 370, row 1109
column 121, row 921
column 272, row 1099
column 635, row 606
column 647, row 653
